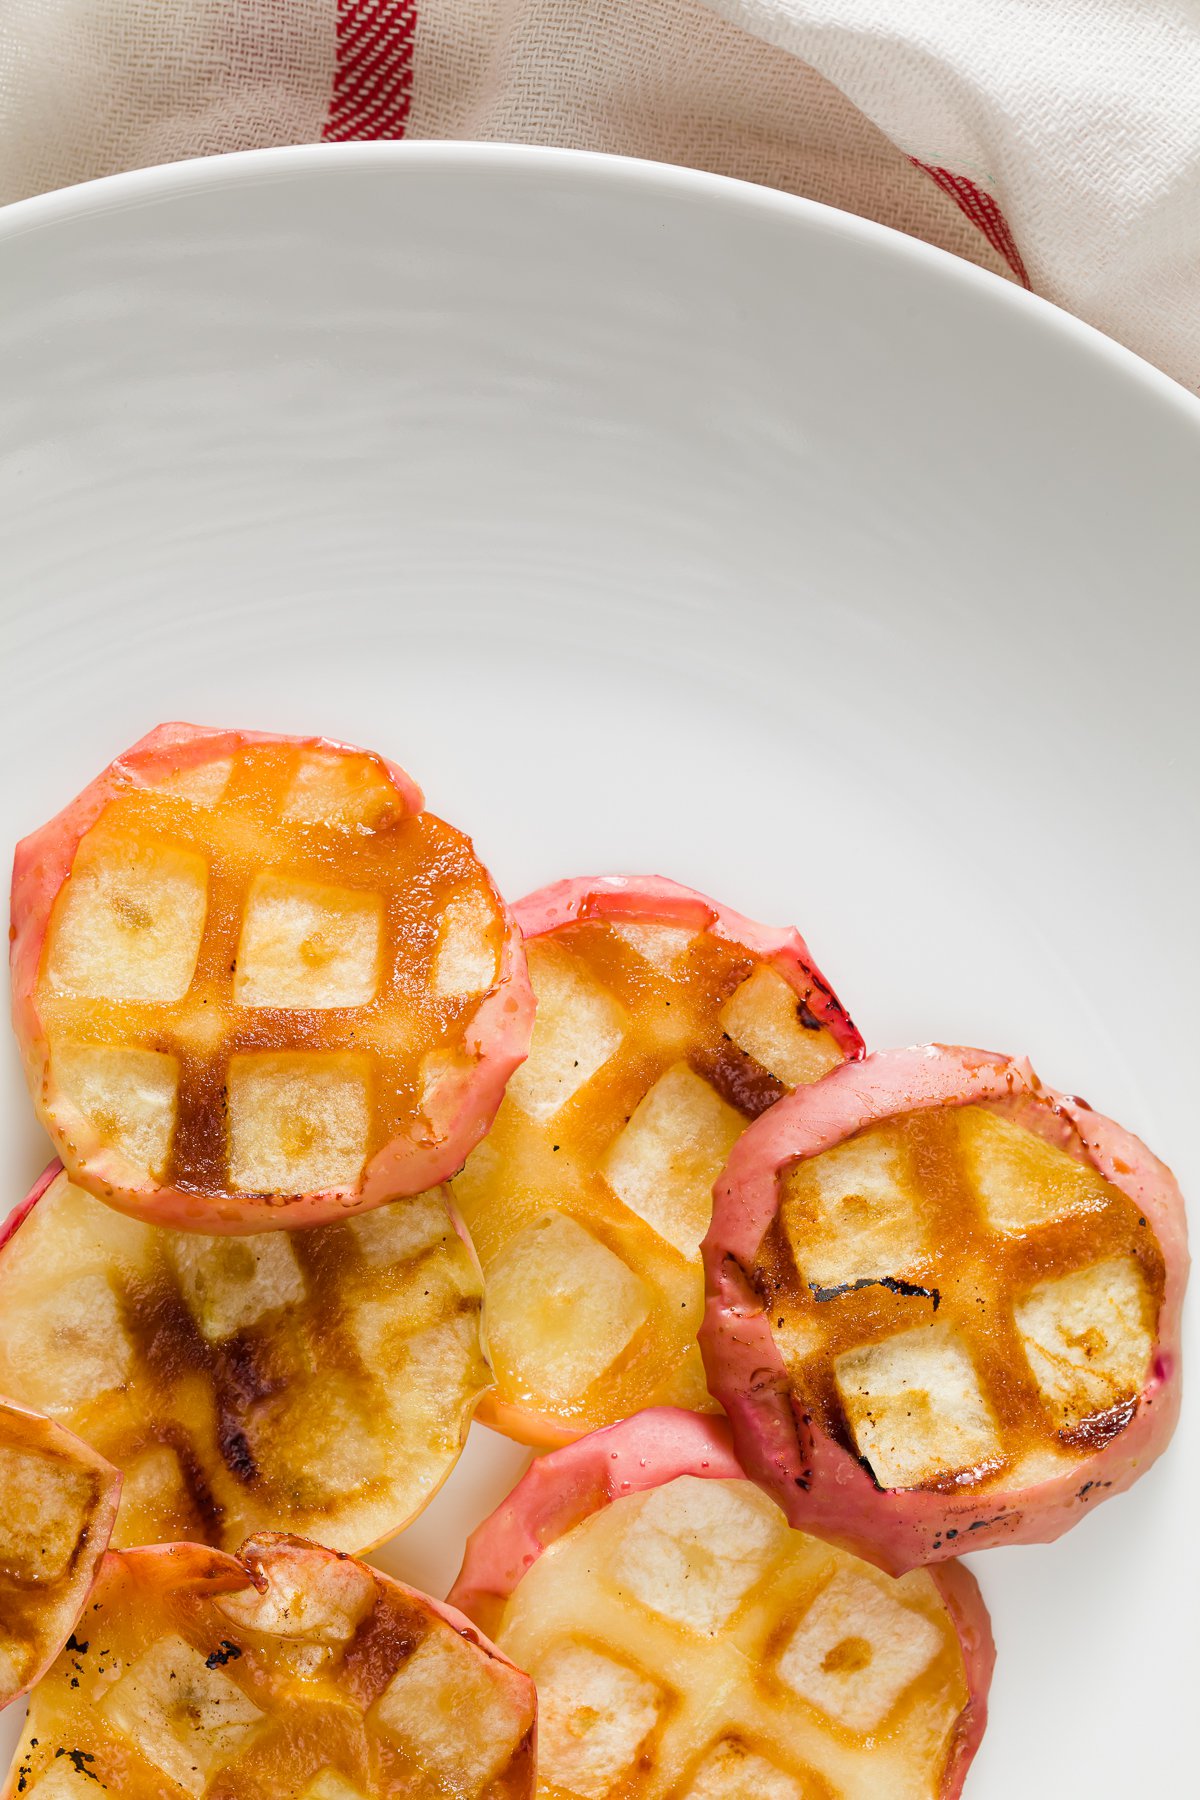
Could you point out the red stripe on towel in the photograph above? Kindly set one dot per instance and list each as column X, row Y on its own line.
column 372, row 78
column 982, row 211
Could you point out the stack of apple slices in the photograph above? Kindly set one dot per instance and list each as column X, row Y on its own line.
column 279, row 1024
column 266, row 1003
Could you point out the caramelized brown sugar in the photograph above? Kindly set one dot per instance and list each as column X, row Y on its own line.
column 686, row 1642
column 57, row 1503
column 321, row 1380
column 961, row 1299
column 654, row 1046
column 288, row 1672
column 256, row 975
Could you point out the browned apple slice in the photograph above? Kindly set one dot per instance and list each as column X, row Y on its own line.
column 288, row 1671
column 256, row 984
column 686, row 1642
column 321, row 1380
column 944, row 1304
column 58, row 1500
column 665, row 1023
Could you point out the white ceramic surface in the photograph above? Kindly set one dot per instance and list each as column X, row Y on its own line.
column 659, row 522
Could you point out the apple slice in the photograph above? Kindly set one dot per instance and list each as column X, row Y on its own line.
column 943, row 1305
column 665, row 1023
column 58, row 1500
column 285, row 1670
column 320, row 1380
column 686, row 1641
column 257, row 985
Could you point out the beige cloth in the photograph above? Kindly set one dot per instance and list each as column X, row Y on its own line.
column 1069, row 128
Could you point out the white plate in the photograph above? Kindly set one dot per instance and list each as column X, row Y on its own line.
column 660, row 522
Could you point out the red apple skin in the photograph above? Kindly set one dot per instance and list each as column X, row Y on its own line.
column 429, row 1152
column 817, row 1481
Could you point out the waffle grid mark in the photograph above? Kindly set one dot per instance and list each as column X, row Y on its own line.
column 818, row 1656
column 250, row 945
column 952, row 1357
column 227, row 1377
column 622, row 1139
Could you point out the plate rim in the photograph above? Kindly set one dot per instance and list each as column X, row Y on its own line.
column 159, row 182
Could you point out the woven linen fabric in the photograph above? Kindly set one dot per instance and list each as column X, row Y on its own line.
column 1056, row 142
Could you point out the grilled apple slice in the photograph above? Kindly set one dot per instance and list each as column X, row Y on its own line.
column 257, row 985
column 323, row 1380
column 686, row 1641
column 58, row 1500
column 664, row 1025
column 285, row 1670
column 665, row 1022
column 943, row 1305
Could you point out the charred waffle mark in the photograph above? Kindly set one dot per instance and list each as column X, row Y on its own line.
column 1101, row 1428
column 296, row 1028
column 737, row 1078
column 725, row 966
column 158, row 1321
column 250, row 1370
column 327, row 1257
column 773, row 1277
column 247, row 1373
column 87, row 1503
column 908, row 1290
column 199, row 1146
column 235, row 1450
column 386, row 1638
column 208, row 1510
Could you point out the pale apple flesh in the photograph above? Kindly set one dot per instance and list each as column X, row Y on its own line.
column 686, row 1640
column 58, row 1500
column 665, row 1023
column 320, row 1381
column 284, row 1670
column 257, row 985
column 943, row 1305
